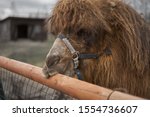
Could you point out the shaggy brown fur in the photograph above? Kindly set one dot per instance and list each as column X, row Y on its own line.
column 97, row 25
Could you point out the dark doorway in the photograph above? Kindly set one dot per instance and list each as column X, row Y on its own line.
column 22, row 31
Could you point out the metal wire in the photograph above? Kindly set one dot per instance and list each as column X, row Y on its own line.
column 17, row 87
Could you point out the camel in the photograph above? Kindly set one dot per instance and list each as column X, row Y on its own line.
column 104, row 42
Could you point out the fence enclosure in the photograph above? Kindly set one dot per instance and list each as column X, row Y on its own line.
column 70, row 86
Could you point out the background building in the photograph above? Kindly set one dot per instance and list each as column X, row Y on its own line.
column 15, row 28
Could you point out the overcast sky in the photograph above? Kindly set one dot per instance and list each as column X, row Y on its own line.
column 41, row 8
column 25, row 7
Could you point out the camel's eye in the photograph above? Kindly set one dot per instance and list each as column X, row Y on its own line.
column 82, row 33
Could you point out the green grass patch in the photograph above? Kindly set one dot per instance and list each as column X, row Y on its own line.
column 27, row 51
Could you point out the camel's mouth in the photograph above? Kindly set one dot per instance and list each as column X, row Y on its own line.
column 59, row 68
column 49, row 72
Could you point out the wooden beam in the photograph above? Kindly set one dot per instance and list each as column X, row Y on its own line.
column 71, row 86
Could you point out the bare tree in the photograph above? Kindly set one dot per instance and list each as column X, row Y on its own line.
column 142, row 6
column 13, row 7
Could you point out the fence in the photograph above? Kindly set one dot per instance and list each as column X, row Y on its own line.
column 70, row 86
column 17, row 87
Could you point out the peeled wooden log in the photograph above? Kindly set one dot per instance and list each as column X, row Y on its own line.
column 71, row 86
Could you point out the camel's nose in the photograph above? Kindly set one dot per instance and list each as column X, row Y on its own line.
column 52, row 61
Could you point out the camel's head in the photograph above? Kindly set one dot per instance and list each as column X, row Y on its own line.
column 81, row 24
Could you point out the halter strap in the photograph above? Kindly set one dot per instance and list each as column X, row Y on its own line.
column 73, row 51
column 88, row 56
column 76, row 55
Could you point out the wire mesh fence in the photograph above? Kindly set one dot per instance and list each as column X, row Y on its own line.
column 17, row 87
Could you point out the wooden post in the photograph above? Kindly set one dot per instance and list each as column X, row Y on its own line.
column 73, row 87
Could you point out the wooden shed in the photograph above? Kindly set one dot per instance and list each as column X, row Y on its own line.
column 16, row 28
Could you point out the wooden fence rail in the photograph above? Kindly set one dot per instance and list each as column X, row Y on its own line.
column 73, row 87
